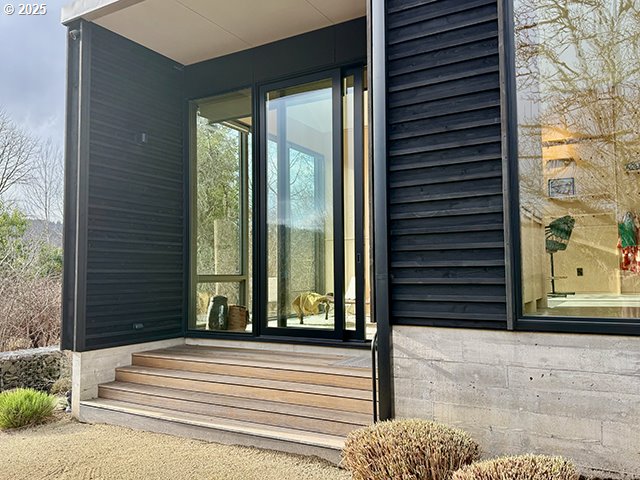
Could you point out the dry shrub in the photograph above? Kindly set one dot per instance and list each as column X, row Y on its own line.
column 407, row 450
column 61, row 386
column 523, row 467
column 29, row 311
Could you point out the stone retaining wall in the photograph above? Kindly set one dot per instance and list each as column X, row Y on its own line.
column 36, row 368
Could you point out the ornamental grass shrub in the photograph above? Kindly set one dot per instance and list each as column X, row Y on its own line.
column 407, row 450
column 61, row 386
column 522, row 467
column 24, row 407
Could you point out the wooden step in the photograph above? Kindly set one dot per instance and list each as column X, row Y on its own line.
column 269, row 356
column 297, row 417
column 268, row 398
column 250, row 366
column 211, row 428
column 336, row 398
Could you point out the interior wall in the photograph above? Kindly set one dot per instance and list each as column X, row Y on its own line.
column 535, row 263
column 592, row 248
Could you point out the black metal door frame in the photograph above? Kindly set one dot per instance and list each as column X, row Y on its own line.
column 359, row 204
column 261, row 280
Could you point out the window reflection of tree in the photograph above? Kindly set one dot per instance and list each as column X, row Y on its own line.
column 307, row 220
column 578, row 80
column 218, row 199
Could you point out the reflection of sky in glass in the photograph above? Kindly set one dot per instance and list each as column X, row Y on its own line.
column 306, row 211
column 578, row 97
column 567, row 47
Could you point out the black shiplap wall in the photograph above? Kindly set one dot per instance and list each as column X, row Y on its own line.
column 446, row 238
column 330, row 47
column 135, row 268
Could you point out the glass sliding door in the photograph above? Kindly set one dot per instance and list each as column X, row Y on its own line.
column 301, row 181
column 221, row 213
column 306, row 235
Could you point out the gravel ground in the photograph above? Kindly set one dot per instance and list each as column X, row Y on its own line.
column 66, row 449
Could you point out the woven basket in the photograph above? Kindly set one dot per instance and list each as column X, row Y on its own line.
column 238, row 318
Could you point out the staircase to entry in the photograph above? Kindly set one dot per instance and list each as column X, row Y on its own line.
column 283, row 400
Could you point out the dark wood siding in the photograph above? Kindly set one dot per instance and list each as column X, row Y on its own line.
column 135, row 211
column 338, row 45
column 127, row 196
column 445, row 199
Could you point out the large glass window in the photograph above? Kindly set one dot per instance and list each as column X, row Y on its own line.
column 221, row 213
column 300, row 228
column 311, row 216
column 578, row 84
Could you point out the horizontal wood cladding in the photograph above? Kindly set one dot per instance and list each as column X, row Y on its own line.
column 337, row 45
column 135, row 213
column 445, row 198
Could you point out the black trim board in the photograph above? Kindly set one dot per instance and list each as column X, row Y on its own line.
column 67, row 340
column 379, row 156
column 82, row 193
column 598, row 326
column 509, row 146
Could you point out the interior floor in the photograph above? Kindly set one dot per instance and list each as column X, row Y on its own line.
column 593, row 305
column 312, row 322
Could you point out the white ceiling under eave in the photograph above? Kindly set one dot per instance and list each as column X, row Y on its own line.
column 190, row 31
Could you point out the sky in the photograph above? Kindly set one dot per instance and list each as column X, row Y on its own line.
column 33, row 69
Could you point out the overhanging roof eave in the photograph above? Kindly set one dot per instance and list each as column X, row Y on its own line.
column 92, row 9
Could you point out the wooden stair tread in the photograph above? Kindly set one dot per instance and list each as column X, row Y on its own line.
column 256, row 361
column 246, row 403
column 243, row 387
column 237, row 426
column 269, row 356
column 251, row 382
column 267, row 413
column 326, row 353
column 238, row 351
column 271, row 398
column 253, row 371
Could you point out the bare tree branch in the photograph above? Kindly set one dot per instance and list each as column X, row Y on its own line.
column 43, row 192
column 16, row 152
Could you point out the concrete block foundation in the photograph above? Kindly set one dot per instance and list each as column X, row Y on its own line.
column 92, row 368
column 518, row 392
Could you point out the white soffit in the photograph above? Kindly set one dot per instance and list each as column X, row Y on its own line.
column 189, row 31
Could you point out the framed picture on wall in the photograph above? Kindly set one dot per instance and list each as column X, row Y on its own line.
column 562, row 187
